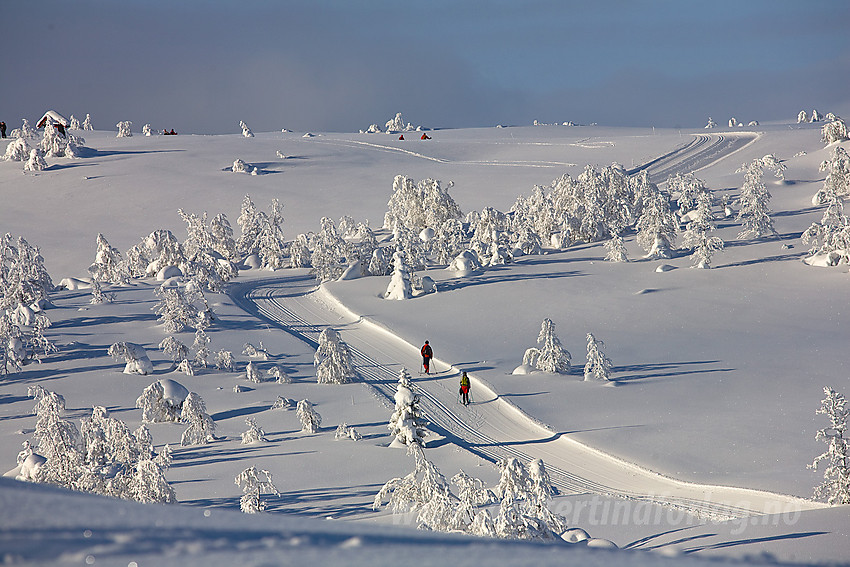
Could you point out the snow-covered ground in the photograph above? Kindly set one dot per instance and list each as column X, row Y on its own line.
column 717, row 373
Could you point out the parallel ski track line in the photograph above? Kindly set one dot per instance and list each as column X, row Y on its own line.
column 305, row 315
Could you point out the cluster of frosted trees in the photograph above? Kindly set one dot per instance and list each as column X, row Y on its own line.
column 551, row 357
column 830, row 236
column 517, row 508
column 102, row 455
column 24, row 285
column 27, row 149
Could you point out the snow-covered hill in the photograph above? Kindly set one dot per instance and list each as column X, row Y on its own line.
column 716, row 373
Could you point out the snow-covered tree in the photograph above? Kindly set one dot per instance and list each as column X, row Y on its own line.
column 255, row 433
column 36, row 161
column 124, row 129
column 174, row 349
column 108, row 263
column 550, row 356
column 224, row 361
column 399, row 286
column 246, row 132
column 834, row 131
column 802, row 117
column 146, row 130
column 753, row 203
column 87, row 123
column 815, row 116
column 656, row 226
column 616, row 249
column 407, row 423
column 697, row 235
column 299, row 252
column 598, row 366
column 689, row 189
column 162, row 401
column 252, row 488
column 711, row 123
column 831, row 236
column 395, row 124
column 837, row 181
column 135, row 356
column 333, row 359
column 420, row 205
column 17, row 150
column 58, row 440
column 201, row 428
column 201, row 346
column 525, row 491
column 345, row 431
column 770, row 161
column 23, row 277
column 279, row 375
column 253, row 373
column 328, row 257
column 309, row 418
column 836, row 485
column 75, row 123
column 180, row 307
column 271, row 246
column 255, row 352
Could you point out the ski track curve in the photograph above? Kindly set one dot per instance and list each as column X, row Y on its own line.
column 491, row 428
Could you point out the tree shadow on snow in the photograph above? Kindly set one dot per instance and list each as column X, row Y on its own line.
column 657, row 371
column 497, row 276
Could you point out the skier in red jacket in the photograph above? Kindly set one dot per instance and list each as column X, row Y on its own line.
column 427, row 355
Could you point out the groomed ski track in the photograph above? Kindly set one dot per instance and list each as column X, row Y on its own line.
column 492, row 427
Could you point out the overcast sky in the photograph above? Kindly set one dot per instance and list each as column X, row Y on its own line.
column 202, row 66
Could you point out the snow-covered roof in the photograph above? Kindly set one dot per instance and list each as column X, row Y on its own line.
column 53, row 117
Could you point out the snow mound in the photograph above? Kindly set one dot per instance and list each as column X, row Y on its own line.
column 173, row 391
column 523, row 369
column 575, row 535
column 74, row 284
column 664, row 268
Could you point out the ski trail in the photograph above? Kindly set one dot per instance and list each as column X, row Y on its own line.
column 492, row 427
column 496, row 163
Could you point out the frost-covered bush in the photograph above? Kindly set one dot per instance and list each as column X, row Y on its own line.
column 283, row 403
column 17, row 150
column 333, row 359
column 255, row 352
column 162, row 401
column 836, row 485
column 753, row 203
column 309, row 418
column 135, row 356
column 246, row 132
column 255, row 433
column 252, row 488
column 224, row 361
column 550, row 356
column 598, row 366
column 345, row 431
column 407, row 423
column 36, row 161
column 399, row 286
column 124, row 129
column 201, row 428
column 279, row 375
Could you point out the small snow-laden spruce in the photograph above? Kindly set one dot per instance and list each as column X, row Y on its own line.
column 239, row 388
column 837, row 181
column 753, row 203
column 252, row 488
column 124, row 129
column 246, row 132
column 186, row 367
column 162, row 401
column 407, row 423
column 299, row 252
column 688, row 188
column 255, row 433
column 770, row 161
column 399, row 287
column 309, row 418
column 616, row 249
column 146, row 130
column 524, row 491
column 831, row 236
column 834, row 131
column 469, row 515
column 598, row 366
column 283, row 403
column 255, row 352
column 279, row 375
column 135, row 356
column 174, row 349
column 201, row 346
column 75, row 123
column 201, row 428
column 449, row 241
column 551, row 356
column 109, row 265
column 23, row 277
column 154, row 253
column 253, row 373
column 177, row 307
column 711, row 123
column 333, row 359
column 345, row 431
column 36, row 161
column 224, row 361
column 328, row 256
column 835, row 488
column 87, row 123
column 657, row 225
column 696, row 235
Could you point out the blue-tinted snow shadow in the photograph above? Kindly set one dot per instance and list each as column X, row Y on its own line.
column 238, row 412
column 660, row 370
column 503, row 275
column 750, row 541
